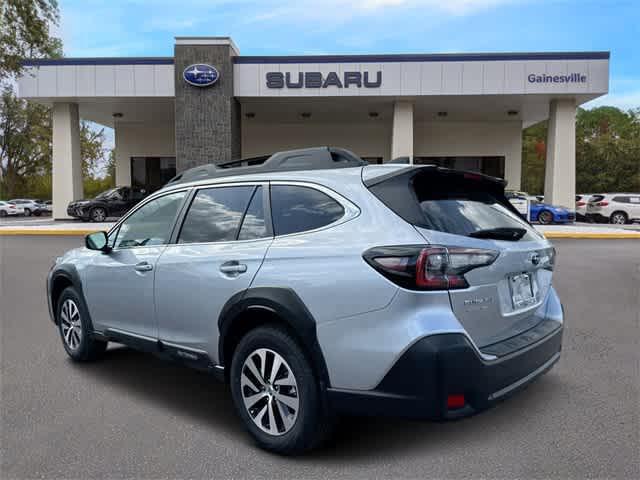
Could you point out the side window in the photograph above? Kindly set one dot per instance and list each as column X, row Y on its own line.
column 621, row 199
column 215, row 214
column 298, row 209
column 150, row 224
column 253, row 224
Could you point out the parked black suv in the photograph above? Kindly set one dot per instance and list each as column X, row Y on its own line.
column 112, row 203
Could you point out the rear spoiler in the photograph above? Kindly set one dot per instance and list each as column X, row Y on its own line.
column 467, row 174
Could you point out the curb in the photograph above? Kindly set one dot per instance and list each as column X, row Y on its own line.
column 590, row 235
column 550, row 235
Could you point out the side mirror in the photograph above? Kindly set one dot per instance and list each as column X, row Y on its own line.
column 97, row 241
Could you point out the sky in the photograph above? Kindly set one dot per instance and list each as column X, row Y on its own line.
column 304, row 27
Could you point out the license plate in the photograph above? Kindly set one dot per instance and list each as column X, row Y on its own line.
column 522, row 292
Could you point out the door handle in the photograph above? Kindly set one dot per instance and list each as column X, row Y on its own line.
column 232, row 267
column 143, row 267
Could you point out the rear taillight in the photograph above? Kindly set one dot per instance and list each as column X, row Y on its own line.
column 602, row 204
column 580, row 204
column 432, row 267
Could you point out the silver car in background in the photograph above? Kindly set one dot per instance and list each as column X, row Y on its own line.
column 316, row 284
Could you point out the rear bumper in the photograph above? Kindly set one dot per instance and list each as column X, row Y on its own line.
column 434, row 367
column 597, row 218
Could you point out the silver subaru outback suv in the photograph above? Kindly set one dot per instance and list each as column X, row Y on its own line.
column 316, row 285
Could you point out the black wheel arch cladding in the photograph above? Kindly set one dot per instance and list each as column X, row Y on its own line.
column 62, row 277
column 282, row 303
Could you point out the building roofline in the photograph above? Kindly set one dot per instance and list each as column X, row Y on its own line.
column 426, row 57
column 39, row 62
column 368, row 58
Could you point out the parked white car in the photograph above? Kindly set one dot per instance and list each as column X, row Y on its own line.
column 520, row 200
column 582, row 199
column 616, row 208
column 7, row 209
column 30, row 206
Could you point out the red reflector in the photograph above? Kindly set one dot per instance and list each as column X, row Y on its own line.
column 455, row 401
column 472, row 176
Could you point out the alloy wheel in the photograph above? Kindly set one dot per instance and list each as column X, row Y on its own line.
column 98, row 215
column 70, row 324
column 618, row 219
column 269, row 391
column 545, row 218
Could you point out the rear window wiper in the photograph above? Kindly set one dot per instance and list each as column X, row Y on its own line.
column 504, row 233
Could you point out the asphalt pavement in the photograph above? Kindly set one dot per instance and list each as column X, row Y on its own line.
column 134, row 416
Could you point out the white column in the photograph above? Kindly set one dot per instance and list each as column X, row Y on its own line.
column 560, row 169
column 67, row 163
column 402, row 130
column 513, row 161
column 123, row 164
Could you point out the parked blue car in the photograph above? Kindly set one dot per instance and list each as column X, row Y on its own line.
column 546, row 214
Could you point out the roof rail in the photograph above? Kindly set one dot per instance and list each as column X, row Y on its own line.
column 315, row 158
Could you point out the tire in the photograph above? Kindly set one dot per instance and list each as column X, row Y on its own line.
column 618, row 218
column 37, row 213
column 98, row 214
column 3, row 213
column 27, row 212
column 545, row 217
column 71, row 314
column 307, row 426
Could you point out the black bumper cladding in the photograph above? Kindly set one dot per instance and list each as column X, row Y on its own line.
column 418, row 385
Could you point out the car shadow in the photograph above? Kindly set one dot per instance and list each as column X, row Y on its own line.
column 167, row 384
column 200, row 397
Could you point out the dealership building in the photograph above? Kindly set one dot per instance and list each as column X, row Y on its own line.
column 210, row 104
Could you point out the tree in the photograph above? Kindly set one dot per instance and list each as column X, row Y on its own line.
column 607, row 152
column 26, row 150
column 25, row 142
column 25, row 33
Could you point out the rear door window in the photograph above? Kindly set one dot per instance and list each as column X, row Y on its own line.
column 215, row 214
column 296, row 208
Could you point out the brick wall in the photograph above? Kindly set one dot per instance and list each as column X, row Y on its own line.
column 207, row 119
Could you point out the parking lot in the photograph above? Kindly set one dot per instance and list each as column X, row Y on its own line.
column 134, row 416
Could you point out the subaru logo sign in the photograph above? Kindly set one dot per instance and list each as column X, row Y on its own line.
column 200, row 75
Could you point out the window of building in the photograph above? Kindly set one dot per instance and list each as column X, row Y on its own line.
column 298, row 209
column 215, row 214
column 152, row 173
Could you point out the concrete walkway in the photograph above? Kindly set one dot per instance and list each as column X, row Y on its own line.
column 50, row 227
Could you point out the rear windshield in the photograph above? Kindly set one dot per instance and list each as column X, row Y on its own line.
column 452, row 202
column 596, row 198
column 464, row 214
